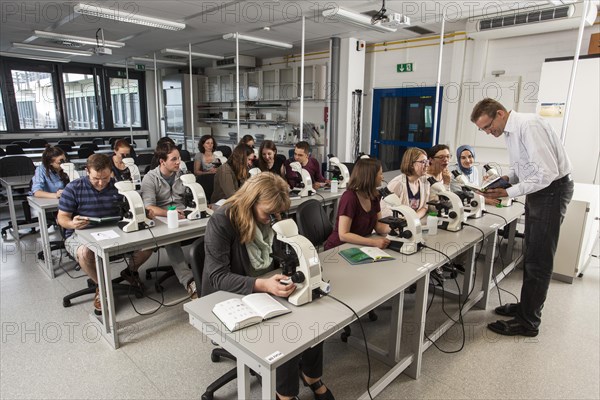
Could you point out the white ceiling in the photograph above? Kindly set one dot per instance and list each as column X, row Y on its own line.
column 207, row 21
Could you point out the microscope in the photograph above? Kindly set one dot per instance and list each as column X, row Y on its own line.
column 473, row 203
column 299, row 260
column 449, row 207
column 69, row 169
column 491, row 174
column 133, row 211
column 254, row 171
column 339, row 171
column 306, row 187
column 218, row 158
column 194, row 198
column 405, row 235
column 134, row 172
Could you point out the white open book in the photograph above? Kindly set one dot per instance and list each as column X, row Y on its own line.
column 249, row 310
column 497, row 182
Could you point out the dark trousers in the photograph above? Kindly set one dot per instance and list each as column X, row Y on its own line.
column 287, row 374
column 544, row 213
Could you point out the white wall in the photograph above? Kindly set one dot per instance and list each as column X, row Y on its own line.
column 467, row 66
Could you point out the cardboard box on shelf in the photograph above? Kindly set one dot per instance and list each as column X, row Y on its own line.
column 594, row 44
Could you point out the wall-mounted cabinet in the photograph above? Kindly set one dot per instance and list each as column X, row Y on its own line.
column 287, row 84
column 251, row 113
column 315, row 79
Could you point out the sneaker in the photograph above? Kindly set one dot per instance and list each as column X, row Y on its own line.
column 191, row 289
column 97, row 304
column 133, row 278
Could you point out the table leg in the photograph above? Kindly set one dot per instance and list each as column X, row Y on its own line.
column 45, row 243
column 417, row 339
column 268, row 385
column 488, row 270
column 13, row 215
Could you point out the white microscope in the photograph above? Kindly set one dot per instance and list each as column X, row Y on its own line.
column 306, row 187
column 300, row 261
column 194, row 198
column 69, row 169
column 490, row 174
column 473, row 203
column 135, row 213
column 406, row 234
column 339, row 171
column 254, row 171
column 134, row 171
column 449, row 207
column 218, row 158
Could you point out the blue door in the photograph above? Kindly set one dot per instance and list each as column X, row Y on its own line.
column 402, row 118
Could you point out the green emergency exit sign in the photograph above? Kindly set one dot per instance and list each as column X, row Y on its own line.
column 140, row 67
column 407, row 67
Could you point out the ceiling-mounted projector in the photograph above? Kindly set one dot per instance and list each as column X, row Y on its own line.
column 103, row 51
column 395, row 19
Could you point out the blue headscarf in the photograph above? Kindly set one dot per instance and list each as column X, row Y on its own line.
column 466, row 171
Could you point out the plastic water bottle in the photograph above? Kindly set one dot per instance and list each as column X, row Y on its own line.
column 432, row 224
column 172, row 218
column 334, row 185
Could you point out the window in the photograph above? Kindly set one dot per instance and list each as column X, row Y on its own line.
column 34, row 95
column 80, row 98
column 125, row 102
column 2, row 115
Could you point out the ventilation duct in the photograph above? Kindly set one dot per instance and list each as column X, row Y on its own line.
column 531, row 22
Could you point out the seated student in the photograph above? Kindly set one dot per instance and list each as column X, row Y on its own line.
column 204, row 160
column 302, row 155
column 122, row 149
column 439, row 159
column 232, row 175
column 161, row 188
column 94, row 195
column 49, row 179
column 155, row 161
column 466, row 158
column 411, row 185
column 269, row 160
column 358, row 209
column 248, row 140
column 238, row 244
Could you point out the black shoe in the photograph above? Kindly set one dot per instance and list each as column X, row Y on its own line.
column 512, row 327
column 315, row 386
column 507, row 310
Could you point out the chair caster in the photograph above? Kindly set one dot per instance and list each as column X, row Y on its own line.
column 214, row 357
column 159, row 288
column 344, row 337
column 138, row 294
column 90, row 283
column 207, row 396
column 66, row 303
column 148, row 275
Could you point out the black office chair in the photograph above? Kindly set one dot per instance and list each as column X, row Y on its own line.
column 65, row 147
column 144, row 159
column 207, row 181
column 38, row 142
column 112, row 141
column 66, row 141
column 98, row 141
column 18, row 166
column 226, row 150
column 88, row 145
column 168, row 271
column 84, row 152
column 185, row 155
column 12, row 149
column 291, row 154
column 23, row 143
column 2, row 152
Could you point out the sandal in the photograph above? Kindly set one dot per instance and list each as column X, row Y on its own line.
column 327, row 395
column 512, row 327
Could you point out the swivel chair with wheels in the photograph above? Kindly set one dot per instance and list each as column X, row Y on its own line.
column 19, row 166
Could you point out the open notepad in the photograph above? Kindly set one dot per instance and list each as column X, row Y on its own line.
column 364, row 255
column 249, row 310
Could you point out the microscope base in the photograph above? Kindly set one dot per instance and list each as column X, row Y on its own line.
column 445, row 225
column 403, row 247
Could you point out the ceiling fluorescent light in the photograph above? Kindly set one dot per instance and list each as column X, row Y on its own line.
column 31, row 57
column 126, row 16
column 256, row 40
column 77, row 39
column 34, row 47
column 356, row 19
column 151, row 60
column 561, row 2
column 194, row 54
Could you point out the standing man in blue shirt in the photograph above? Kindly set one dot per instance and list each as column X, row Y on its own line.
column 541, row 170
column 94, row 195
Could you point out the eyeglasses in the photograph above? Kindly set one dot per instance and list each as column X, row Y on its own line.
column 488, row 126
column 423, row 162
column 444, row 157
